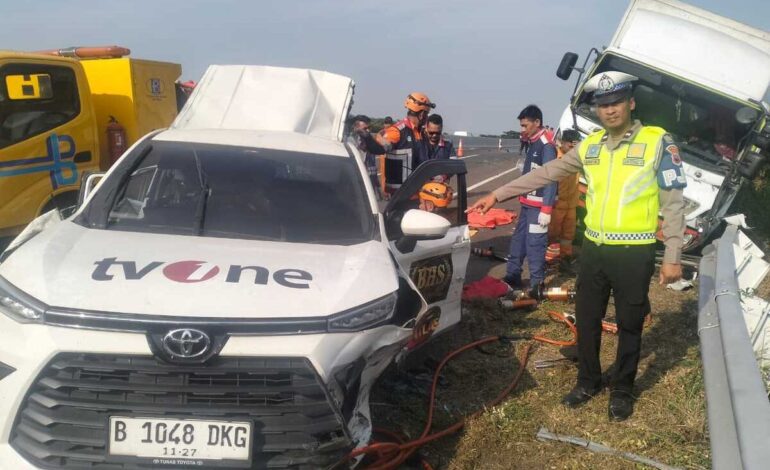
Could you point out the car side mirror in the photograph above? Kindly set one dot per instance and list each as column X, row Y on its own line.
column 567, row 65
column 88, row 184
column 423, row 225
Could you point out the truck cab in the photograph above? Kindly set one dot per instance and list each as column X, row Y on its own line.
column 702, row 77
column 54, row 113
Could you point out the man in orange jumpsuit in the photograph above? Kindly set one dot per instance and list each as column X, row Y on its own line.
column 561, row 231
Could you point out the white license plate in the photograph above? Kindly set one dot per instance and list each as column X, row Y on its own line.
column 179, row 441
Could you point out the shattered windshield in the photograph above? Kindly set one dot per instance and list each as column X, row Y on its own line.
column 237, row 192
column 702, row 122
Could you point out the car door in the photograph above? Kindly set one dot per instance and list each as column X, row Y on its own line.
column 437, row 266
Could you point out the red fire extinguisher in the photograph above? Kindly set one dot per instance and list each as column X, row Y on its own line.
column 116, row 140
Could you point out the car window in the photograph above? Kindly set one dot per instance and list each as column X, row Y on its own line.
column 34, row 99
column 235, row 192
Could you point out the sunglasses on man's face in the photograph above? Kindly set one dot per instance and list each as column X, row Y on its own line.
column 434, row 133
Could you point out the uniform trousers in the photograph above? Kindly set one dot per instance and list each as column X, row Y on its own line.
column 529, row 241
column 625, row 271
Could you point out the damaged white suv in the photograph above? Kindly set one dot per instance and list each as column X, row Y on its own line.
column 227, row 294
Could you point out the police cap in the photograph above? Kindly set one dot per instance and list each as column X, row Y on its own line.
column 610, row 87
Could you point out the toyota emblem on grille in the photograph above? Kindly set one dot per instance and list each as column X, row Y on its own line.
column 186, row 343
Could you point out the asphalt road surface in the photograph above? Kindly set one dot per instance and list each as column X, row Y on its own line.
column 488, row 169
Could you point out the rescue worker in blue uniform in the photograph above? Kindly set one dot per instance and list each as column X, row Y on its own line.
column 634, row 172
column 530, row 238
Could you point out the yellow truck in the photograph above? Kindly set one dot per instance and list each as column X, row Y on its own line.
column 60, row 117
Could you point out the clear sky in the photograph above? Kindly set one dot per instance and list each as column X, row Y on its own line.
column 480, row 61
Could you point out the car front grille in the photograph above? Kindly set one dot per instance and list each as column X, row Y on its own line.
column 62, row 422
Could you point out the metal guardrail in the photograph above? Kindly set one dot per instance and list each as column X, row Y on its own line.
column 485, row 142
column 736, row 399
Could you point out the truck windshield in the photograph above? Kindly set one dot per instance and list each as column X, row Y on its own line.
column 248, row 193
column 702, row 122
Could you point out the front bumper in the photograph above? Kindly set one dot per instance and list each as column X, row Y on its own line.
column 67, row 380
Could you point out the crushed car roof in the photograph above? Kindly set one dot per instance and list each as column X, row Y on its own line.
column 288, row 141
column 262, row 98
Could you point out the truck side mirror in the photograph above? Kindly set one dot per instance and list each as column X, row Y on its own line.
column 567, row 65
column 88, row 185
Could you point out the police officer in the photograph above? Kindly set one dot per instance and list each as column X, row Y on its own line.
column 633, row 171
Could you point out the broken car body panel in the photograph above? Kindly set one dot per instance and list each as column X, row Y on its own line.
column 264, row 236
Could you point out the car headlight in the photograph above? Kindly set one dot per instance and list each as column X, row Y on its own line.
column 365, row 316
column 18, row 305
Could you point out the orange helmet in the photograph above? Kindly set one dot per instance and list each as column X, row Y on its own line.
column 437, row 193
column 418, row 102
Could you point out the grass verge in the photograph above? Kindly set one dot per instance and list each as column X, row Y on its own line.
column 669, row 424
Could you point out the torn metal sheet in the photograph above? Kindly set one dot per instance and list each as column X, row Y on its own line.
column 756, row 312
column 737, row 219
column 750, row 266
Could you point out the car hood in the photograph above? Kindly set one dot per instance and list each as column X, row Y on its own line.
column 140, row 273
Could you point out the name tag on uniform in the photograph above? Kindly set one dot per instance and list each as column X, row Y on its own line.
column 635, row 155
column 592, row 154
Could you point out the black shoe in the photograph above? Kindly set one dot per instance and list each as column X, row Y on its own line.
column 621, row 405
column 579, row 395
column 536, row 291
column 514, row 281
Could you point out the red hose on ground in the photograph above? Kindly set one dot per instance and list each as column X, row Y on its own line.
column 390, row 455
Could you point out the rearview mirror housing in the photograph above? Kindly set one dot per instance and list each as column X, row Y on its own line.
column 567, row 65
column 423, row 225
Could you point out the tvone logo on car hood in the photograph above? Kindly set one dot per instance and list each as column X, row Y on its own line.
column 191, row 271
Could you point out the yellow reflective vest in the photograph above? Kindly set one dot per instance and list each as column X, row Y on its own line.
column 622, row 198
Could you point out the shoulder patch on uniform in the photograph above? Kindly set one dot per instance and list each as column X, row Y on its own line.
column 670, row 172
column 672, row 149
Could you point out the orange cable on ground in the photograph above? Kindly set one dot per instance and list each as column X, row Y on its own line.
column 392, row 454
column 560, row 318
